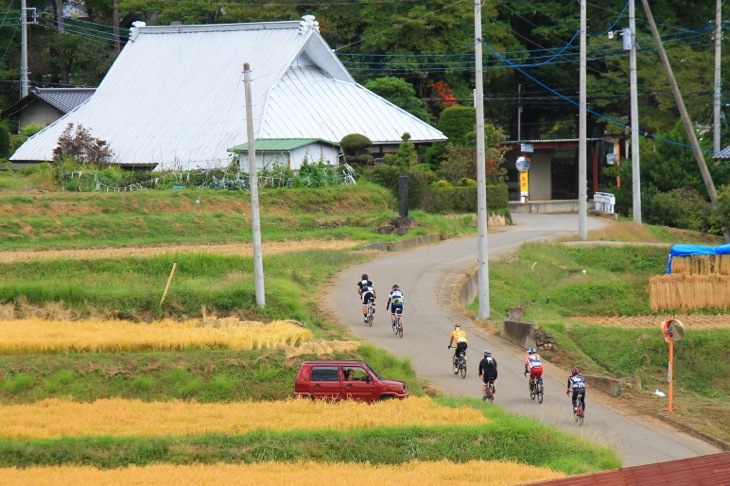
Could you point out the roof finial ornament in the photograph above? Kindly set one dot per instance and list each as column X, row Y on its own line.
column 134, row 31
column 308, row 22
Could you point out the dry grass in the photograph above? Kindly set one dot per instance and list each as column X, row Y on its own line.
column 629, row 231
column 133, row 418
column 321, row 348
column 690, row 321
column 302, row 474
column 32, row 336
column 245, row 249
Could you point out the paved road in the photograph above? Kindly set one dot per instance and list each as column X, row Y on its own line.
column 428, row 277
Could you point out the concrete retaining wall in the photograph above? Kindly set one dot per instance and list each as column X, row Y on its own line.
column 612, row 386
column 544, row 207
column 520, row 333
column 523, row 335
column 403, row 244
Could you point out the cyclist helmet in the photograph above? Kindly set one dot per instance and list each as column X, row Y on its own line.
column 457, row 326
column 531, row 351
column 395, row 287
column 487, row 353
column 365, row 276
column 574, row 371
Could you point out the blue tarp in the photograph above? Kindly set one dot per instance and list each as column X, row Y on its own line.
column 688, row 250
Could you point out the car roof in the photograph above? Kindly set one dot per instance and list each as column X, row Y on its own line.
column 334, row 362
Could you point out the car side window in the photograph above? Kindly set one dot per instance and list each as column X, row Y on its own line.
column 354, row 374
column 325, row 373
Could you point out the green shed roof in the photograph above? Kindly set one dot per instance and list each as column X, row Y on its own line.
column 281, row 144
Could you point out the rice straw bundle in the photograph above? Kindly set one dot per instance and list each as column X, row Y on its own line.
column 702, row 264
column 681, row 264
column 684, row 292
column 722, row 264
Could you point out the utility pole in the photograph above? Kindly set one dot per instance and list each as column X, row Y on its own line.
column 482, row 259
column 635, row 171
column 519, row 113
column 23, row 50
column 582, row 142
column 688, row 128
column 258, row 264
column 717, row 131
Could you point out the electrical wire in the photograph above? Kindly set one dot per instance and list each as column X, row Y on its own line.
column 595, row 113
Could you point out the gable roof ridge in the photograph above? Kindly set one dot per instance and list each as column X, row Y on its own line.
column 195, row 28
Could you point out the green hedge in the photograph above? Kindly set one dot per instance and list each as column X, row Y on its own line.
column 464, row 199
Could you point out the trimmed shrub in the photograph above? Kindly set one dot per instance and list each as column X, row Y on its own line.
column 356, row 148
column 464, row 199
column 457, row 122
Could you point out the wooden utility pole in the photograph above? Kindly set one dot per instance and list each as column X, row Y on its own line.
column 688, row 128
column 258, row 262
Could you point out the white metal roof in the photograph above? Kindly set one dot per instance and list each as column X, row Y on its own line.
column 175, row 96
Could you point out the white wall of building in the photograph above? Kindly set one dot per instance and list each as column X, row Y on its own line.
column 293, row 160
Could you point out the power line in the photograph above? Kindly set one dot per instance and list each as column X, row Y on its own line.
column 595, row 113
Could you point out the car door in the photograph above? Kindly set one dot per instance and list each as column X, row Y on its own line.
column 325, row 382
column 357, row 384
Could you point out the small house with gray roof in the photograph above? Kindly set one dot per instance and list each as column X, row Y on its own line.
column 43, row 106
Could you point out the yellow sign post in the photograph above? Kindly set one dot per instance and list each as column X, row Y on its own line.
column 524, row 186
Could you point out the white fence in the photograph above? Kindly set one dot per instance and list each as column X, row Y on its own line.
column 604, row 201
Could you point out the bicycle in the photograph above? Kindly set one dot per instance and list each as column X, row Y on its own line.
column 460, row 364
column 578, row 412
column 537, row 389
column 490, row 391
column 397, row 326
column 370, row 316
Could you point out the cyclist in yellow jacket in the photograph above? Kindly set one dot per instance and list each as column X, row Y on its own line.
column 458, row 336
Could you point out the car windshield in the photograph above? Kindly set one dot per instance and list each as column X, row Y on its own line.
column 374, row 373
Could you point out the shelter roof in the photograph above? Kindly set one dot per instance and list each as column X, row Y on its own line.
column 281, row 144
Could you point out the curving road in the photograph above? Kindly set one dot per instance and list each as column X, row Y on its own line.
column 428, row 276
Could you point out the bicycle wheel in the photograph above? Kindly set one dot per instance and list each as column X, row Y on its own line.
column 371, row 317
column 400, row 328
column 462, row 368
column 395, row 325
column 540, row 393
column 580, row 414
column 532, row 390
column 490, row 393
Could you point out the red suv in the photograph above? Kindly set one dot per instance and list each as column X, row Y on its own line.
column 345, row 379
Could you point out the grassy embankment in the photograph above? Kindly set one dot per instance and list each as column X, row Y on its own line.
column 548, row 280
column 33, row 219
column 207, row 284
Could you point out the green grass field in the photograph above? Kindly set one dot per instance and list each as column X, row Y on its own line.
column 131, row 288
